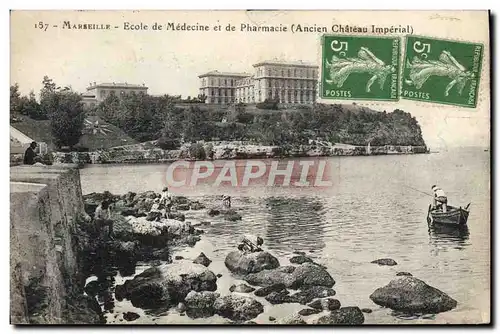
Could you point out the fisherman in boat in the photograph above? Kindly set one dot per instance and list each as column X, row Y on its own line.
column 251, row 244
column 440, row 201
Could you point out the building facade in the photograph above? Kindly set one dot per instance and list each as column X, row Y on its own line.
column 89, row 100
column 289, row 82
column 220, row 87
column 103, row 90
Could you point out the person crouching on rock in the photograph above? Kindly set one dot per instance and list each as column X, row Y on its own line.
column 155, row 213
column 226, row 202
column 251, row 244
column 103, row 218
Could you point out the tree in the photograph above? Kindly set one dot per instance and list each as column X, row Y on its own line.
column 67, row 117
column 32, row 108
column 15, row 99
column 202, row 98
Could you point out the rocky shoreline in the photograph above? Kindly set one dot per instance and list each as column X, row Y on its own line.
column 189, row 287
column 150, row 153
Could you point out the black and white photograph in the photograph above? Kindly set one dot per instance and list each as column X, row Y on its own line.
column 250, row 167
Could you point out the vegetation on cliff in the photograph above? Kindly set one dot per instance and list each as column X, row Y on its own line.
column 148, row 118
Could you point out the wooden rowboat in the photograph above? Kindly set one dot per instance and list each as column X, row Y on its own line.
column 452, row 216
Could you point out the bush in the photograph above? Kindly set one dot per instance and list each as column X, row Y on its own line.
column 269, row 104
column 197, row 151
column 168, row 143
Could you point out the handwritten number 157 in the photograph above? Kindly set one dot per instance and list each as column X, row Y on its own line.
column 42, row 26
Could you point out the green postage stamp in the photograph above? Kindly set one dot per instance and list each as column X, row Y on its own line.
column 442, row 71
column 360, row 67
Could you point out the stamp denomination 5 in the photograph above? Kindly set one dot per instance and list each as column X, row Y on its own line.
column 442, row 71
column 360, row 67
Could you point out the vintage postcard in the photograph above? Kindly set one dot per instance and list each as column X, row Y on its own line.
column 250, row 167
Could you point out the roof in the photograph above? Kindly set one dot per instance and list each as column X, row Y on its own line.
column 224, row 74
column 299, row 63
column 117, row 85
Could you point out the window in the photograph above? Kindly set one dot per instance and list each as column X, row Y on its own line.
column 268, row 71
column 225, row 82
column 282, row 73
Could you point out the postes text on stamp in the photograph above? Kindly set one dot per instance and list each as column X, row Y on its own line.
column 442, row 71
column 360, row 67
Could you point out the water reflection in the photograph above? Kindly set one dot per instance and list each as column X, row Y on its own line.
column 295, row 223
column 446, row 234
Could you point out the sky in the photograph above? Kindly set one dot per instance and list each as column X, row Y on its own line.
column 169, row 62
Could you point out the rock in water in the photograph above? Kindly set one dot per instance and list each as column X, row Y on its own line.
column 299, row 253
column 167, row 284
column 344, row 316
column 201, row 304
column 279, row 297
column 307, row 274
column 366, row 310
column 299, row 259
column 307, row 294
column 246, row 263
column 326, row 304
column 203, row 260
column 213, row 212
column 237, row 307
column 293, row 319
column 309, row 311
column 385, row 262
column 404, row 273
column 130, row 316
column 243, row 288
column 409, row 294
column 181, row 307
column 262, row 292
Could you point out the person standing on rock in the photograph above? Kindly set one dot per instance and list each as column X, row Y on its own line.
column 251, row 244
column 165, row 202
column 165, row 196
column 103, row 217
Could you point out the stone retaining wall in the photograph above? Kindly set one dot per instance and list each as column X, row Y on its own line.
column 46, row 205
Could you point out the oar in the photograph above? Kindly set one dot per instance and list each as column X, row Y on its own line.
column 428, row 212
column 467, row 207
